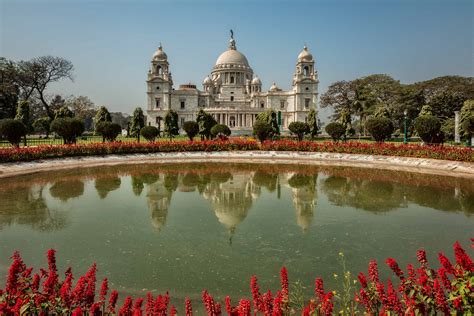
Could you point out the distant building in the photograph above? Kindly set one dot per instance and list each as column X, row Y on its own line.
column 232, row 93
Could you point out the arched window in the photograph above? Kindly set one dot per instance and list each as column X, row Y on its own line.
column 306, row 70
column 232, row 98
column 231, row 79
column 159, row 70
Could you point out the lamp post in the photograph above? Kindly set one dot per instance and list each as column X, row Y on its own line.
column 405, row 134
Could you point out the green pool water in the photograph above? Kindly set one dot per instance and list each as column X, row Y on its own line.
column 188, row 227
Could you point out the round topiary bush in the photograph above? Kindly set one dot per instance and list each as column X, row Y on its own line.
column 191, row 128
column 150, row 133
column 380, row 128
column 428, row 128
column 262, row 130
column 335, row 130
column 68, row 128
column 12, row 130
column 108, row 130
column 299, row 129
column 220, row 130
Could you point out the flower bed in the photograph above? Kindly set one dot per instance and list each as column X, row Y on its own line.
column 241, row 144
column 448, row 290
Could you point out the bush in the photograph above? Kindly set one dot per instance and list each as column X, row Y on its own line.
column 335, row 130
column 428, row 128
column 220, row 130
column 262, row 130
column 191, row 128
column 108, row 130
column 43, row 124
column 12, row 130
column 150, row 133
column 68, row 128
column 299, row 129
column 380, row 128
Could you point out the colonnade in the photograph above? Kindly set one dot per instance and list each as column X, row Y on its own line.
column 235, row 119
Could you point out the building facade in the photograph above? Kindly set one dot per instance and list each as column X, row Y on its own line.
column 232, row 94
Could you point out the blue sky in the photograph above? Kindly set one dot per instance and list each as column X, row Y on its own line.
column 111, row 42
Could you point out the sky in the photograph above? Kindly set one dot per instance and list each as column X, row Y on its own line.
column 111, row 42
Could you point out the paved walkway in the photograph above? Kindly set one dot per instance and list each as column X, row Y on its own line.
column 431, row 166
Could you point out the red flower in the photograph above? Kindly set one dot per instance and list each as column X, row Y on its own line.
column 362, row 279
column 446, row 263
column 421, row 257
column 373, row 271
column 112, row 301
column 126, row 309
column 395, row 268
column 150, row 303
column 244, row 307
column 77, row 295
column 65, row 290
column 189, row 308
column 91, row 280
column 440, row 298
column 95, row 309
column 12, row 280
column 256, row 296
column 173, row 310
column 319, row 289
column 462, row 258
column 137, row 307
column 103, row 290
column 77, row 312
column 284, row 284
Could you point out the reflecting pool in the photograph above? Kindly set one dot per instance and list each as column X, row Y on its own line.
column 188, row 227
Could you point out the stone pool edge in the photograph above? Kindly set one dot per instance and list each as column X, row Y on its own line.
column 420, row 165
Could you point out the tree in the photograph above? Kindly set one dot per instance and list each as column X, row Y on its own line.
column 380, row 128
column 84, row 109
column 428, row 128
column 37, row 74
column 444, row 104
column 339, row 96
column 346, row 121
column 262, row 130
column 206, row 122
column 299, row 129
column 468, row 126
column 171, row 124
column 313, row 123
column 270, row 117
column 191, row 128
column 108, row 130
column 12, row 130
column 467, row 111
column 137, row 123
column 9, row 89
column 426, row 110
column 43, row 124
column 220, row 130
column 382, row 111
column 149, row 133
column 68, row 128
column 23, row 115
column 335, row 130
column 63, row 112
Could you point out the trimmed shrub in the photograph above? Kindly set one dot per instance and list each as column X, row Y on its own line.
column 380, row 128
column 150, row 133
column 191, row 128
column 428, row 128
column 68, row 128
column 335, row 130
column 108, row 130
column 12, row 130
column 299, row 129
column 220, row 130
column 262, row 130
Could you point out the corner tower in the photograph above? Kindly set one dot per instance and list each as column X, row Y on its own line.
column 305, row 84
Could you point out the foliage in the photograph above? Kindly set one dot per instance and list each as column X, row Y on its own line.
column 220, row 130
column 313, row 123
column 447, row 128
column 299, row 129
column 68, row 128
column 270, row 117
column 150, row 133
column 23, row 115
column 171, row 124
column 108, row 130
column 12, row 130
column 466, row 112
column 468, row 126
column 206, row 122
column 43, row 124
column 418, row 291
column 83, row 109
column 63, row 112
column 380, row 128
column 263, row 130
column 9, row 89
column 335, row 130
column 428, row 128
column 102, row 115
column 426, row 110
column 455, row 153
column 191, row 128
column 382, row 110
column 137, row 122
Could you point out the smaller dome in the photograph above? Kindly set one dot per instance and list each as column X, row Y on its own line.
column 160, row 54
column 256, row 80
column 207, row 80
column 274, row 88
column 305, row 55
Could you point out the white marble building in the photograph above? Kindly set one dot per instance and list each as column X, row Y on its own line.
column 231, row 93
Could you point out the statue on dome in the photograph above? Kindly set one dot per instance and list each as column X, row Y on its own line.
column 231, row 34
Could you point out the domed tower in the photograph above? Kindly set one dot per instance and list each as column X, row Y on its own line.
column 256, row 85
column 231, row 73
column 305, row 84
column 159, row 86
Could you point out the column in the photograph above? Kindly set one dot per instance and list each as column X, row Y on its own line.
column 457, row 137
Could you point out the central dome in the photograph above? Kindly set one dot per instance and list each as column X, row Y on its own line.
column 232, row 56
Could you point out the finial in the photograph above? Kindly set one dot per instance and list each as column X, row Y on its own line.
column 231, row 34
column 160, row 47
column 305, row 47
